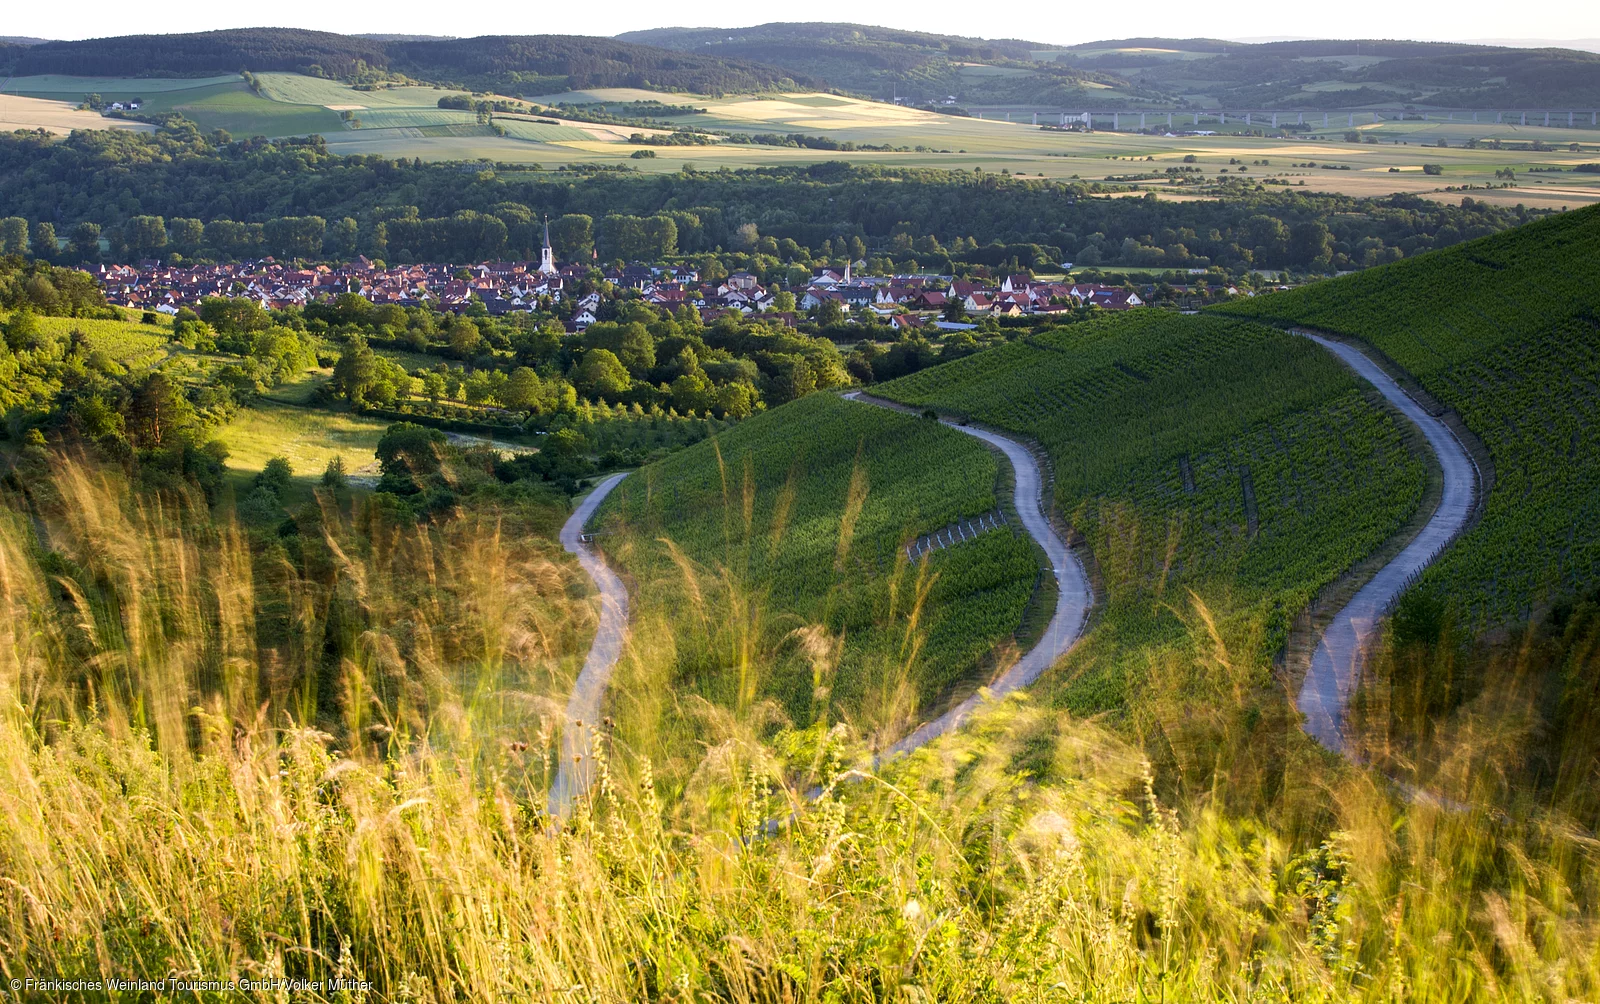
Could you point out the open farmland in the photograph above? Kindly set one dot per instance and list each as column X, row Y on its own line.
column 1496, row 329
column 57, row 116
column 812, row 532
column 1207, row 464
column 69, row 88
column 407, row 122
column 234, row 107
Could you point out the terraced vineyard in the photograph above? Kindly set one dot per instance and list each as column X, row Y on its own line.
column 1506, row 331
column 806, row 510
column 1196, row 454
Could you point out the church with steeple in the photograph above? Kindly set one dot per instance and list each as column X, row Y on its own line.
column 547, row 255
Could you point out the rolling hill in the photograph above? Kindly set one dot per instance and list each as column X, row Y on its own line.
column 507, row 63
column 1154, row 72
column 917, row 67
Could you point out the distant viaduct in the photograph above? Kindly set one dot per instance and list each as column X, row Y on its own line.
column 1191, row 119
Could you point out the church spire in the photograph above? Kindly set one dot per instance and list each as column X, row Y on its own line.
column 547, row 255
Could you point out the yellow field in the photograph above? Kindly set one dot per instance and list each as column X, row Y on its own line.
column 60, row 117
column 1023, row 149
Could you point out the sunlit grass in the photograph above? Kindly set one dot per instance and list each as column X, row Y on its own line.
column 223, row 758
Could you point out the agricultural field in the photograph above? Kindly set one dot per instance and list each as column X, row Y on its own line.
column 61, row 87
column 56, row 116
column 810, row 532
column 1209, row 465
column 242, row 112
column 1498, row 329
column 995, row 144
column 407, row 122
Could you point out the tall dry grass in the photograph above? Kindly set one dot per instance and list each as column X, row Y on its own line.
column 177, row 799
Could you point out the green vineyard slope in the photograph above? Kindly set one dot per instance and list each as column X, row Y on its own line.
column 1216, row 469
column 807, row 510
column 1506, row 331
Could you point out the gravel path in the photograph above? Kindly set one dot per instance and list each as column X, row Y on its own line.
column 1337, row 663
column 1324, row 697
column 583, row 707
column 1074, row 597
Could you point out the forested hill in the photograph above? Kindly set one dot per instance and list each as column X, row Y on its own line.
column 1150, row 72
column 505, row 61
column 201, row 53
column 881, row 47
column 886, row 62
column 511, row 63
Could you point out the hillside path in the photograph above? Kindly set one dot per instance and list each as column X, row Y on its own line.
column 583, row 706
column 1342, row 652
column 1074, row 596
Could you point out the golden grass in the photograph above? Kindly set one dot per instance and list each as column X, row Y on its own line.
column 220, row 761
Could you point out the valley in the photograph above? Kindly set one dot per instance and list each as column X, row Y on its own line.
column 752, row 515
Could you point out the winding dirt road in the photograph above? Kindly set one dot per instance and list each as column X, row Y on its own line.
column 1073, row 600
column 1340, row 655
column 1074, row 597
column 583, row 706
column 1324, row 698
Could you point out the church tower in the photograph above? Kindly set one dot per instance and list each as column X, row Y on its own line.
column 547, row 255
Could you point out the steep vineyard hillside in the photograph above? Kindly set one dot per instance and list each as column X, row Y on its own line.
column 807, row 511
column 1505, row 330
column 1209, row 464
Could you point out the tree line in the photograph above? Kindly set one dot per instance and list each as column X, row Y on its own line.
column 254, row 196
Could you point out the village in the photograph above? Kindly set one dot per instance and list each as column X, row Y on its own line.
column 575, row 292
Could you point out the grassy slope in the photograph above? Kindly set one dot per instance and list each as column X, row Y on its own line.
column 1506, row 331
column 791, row 469
column 70, row 88
column 239, row 110
column 1194, row 454
column 134, row 345
column 308, row 437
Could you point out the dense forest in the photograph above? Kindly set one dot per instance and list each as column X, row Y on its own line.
column 880, row 62
column 926, row 66
column 201, row 53
column 341, row 206
column 1285, row 74
column 508, row 63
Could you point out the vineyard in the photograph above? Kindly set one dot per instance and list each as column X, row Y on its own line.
column 1506, row 331
column 806, row 511
column 127, row 343
column 1194, row 454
